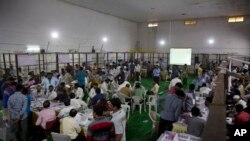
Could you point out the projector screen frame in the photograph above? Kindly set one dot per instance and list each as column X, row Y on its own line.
column 172, row 63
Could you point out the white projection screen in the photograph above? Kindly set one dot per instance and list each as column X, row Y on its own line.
column 180, row 56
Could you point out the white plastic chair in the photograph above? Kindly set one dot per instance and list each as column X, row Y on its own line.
column 123, row 97
column 3, row 134
column 60, row 137
column 137, row 100
column 153, row 117
column 152, row 102
column 126, row 109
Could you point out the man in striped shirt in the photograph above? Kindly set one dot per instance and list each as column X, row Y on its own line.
column 101, row 129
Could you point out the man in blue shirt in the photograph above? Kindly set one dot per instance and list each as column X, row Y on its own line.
column 17, row 105
column 156, row 74
column 98, row 97
column 171, row 110
column 80, row 76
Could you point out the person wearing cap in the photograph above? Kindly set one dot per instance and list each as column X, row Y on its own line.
column 156, row 74
column 237, row 99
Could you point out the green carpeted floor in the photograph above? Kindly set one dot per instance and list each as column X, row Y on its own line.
column 139, row 127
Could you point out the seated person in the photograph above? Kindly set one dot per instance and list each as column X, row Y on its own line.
column 154, row 90
column 92, row 92
column 70, row 127
column 65, row 111
column 61, row 94
column 178, row 86
column 38, row 92
column 238, row 100
column 101, row 129
column 195, row 123
column 97, row 97
column 123, row 84
column 205, row 110
column 241, row 117
column 126, row 90
column 174, row 81
column 138, row 90
column 45, row 115
column 204, row 90
column 104, row 86
column 78, row 91
column 76, row 102
column 51, row 94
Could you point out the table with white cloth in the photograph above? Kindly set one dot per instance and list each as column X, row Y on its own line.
column 84, row 118
column 171, row 136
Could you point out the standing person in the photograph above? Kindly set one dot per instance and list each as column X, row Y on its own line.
column 17, row 105
column 172, row 105
column 185, row 73
column 132, row 70
column 137, row 72
column 68, row 77
column 119, row 120
column 101, row 129
column 157, row 74
column 80, row 76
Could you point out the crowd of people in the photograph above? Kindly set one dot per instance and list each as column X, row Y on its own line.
column 104, row 90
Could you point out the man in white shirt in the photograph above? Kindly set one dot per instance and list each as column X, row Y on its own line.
column 51, row 94
column 174, row 81
column 137, row 72
column 38, row 92
column 92, row 92
column 204, row 90
column 104, row 86
column 76, row 102
column 205, row 109
column 155, row 88
column 78, row 91
column 70, row 127
column 65, row 111
column 50, row 80
column 119, row 120
column 238, row 100
column 123, row 85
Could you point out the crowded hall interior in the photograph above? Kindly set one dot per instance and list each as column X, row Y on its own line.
column 125, row 70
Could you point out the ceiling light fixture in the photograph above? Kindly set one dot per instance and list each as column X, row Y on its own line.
column 211, row 41
column 236, row 19
column 152, row 24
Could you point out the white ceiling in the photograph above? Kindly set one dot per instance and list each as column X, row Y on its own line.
column 160, row 10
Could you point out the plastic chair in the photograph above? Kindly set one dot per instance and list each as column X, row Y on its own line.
column 126, row 109
column 137, row 100
column 123, row 97
column 153, row 117
column 52, row 126
column 152, row 102
column 3, row 134
column 60, row 137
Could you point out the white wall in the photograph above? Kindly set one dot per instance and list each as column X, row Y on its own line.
column 229, row 37
column 31, row 21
